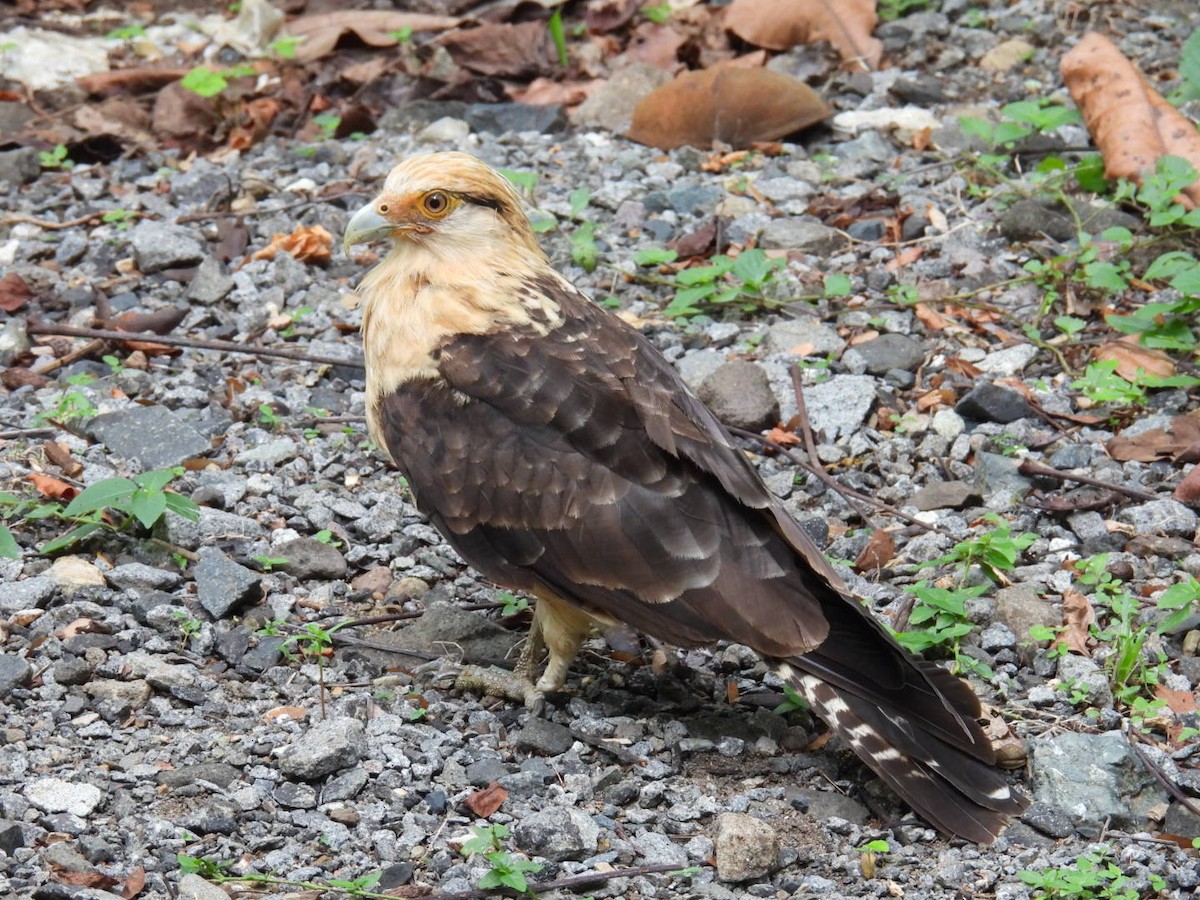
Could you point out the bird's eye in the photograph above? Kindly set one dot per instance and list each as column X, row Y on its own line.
column 435, row 204
column 383, row 208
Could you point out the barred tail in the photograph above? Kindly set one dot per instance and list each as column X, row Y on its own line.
column 933, row 754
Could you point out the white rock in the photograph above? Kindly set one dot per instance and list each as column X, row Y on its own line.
column 47, row 59
column 446, row 130
column 71, row 573
column 55, row 795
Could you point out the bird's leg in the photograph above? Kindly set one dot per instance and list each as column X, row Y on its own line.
column 559, row 629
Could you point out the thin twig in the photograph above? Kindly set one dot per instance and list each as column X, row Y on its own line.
column 1030, row 467
column 50, row 225
column 248, row 213
column 1131, row 737
column 36, row 328
column 626, row 756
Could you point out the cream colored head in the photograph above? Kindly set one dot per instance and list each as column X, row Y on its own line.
column 450, row 205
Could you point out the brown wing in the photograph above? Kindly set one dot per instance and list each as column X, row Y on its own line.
column 579, row 462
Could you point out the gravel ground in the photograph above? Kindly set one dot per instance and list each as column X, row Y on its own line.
column 155, row 699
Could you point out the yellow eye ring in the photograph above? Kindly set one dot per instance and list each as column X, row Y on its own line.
column 436, row 204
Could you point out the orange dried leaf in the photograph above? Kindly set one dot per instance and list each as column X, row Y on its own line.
column 735, row 106
column 782, row 24
column 1129, row 121
column 782, row 436
column 1188, row 491
column 877, row 553
column 14, row 292
column 134, row 883
column 1134, row 360
column 1078, row 617
column 53, row 488
column 931, row 318
column 308, row 243
column 1179, row 702
column 486, row 801
column 295, row 713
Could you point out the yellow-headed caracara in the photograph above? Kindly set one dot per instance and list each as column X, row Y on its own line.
column 561, row 455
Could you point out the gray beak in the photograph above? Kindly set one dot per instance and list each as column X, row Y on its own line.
column 365, row 226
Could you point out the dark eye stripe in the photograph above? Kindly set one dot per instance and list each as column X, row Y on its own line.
column 481, row 200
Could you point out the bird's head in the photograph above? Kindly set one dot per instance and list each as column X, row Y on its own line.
column 447, row 203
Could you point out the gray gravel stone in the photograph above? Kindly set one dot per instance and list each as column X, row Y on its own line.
column 271, row 454
column 999, row 481
column 213, row 525
column 445, row 628
column 887, row 352
column 193, row 887
column 944, row 495
column 1164, row 516
column 746, row 847
column 501, row 118
column 1092, row 530
column 328, row 746
column 655, row 848
column 308, row 558
column 220, row 774
column 1009, row 361
column 1094, row 777
column 158, row 246
column 739, row 394
column 141, row 577
column 222, row 584
column 543, row 736
column 803, row 337
column 695, row 367
column 56, row 795
column 19, row 166
column 210, row 284
column 558, row 833
column 28, row 594
column 153, row 436
column 805, row 235
column 14, row 672
column 611, row 107
column 1020, row 608
column 839, row 406
column 1084, row 676
column 988, row 402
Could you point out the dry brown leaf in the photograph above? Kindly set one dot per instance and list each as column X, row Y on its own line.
column 91, row 878
column 1187, row 491
column 82, row 625
column 486, row 801
column 61, row 457
column 1078, row 617
column 523, row 50
column 732, row 694
column 655, row 45
column 54, row 488
column 122, row 117
column 931, row 318
column 735, row 106
column 877, row 553
column 254, row 123
column 134, row 883
column 1134, row 360
column 905, row 257
column 129, row 81
column 308, row 243
column 547, row 91
column 1180, row 444
column 376, row 28
column 608, row 15
column 1129, row 121
column 1179, row 702
column 14, row 292
column 160, row 321
column 782, row 24
column 782, row 436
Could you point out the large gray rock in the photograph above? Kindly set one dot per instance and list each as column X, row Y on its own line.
column 1020, row 607
column 223, row 584
column 804, row 234
column 56, row 795
column 839, row 406
column 888, row 352
column 746, row 847
column 611, row 107
column 153, row 436
column 211, row 283
column 14, row 672
column 1164, row 516
column 327, row 747
column 309, row 558
column 447, row 629
column 158, row 246
column 1094, row 777
column 558, row 833
column 803, row 337
column 989, row 402
column 28, row 594
column 739, row 394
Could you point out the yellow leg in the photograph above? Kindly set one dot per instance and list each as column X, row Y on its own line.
column 561, row 629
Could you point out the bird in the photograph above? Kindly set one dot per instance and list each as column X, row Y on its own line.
column 561, row 455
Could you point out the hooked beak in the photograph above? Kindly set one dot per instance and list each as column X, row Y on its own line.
column 365, row 226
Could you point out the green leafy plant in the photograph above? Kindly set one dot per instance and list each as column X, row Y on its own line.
column 328, row 123
column 890, row 10
column 270, row 563
column 1100, row 383
column 119, row 217
column 401, row 35
column 510, row 604
column 285, row 46
column 218, row 873
column 210, row 82
column 189, row 627
column 506, row 870
column 837, row 286
column 791, row 701
column 315, row 641
column 142, row 499
column 1093, row 875
column 58, row 158
column 939, row 620
column 724, row 281
column 69, row 405
column 1179, row 601
column 559, row 37
column 267, row 416
column 994, row 551
column 659, row 14
column 325, row 536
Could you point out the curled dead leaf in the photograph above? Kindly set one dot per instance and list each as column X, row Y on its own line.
column 1188, row 491
column 308, row 243
column 486, row 801
column 877, row 553
column 375, row 28
column 782, row 24
column 14, row 292
column 1127, row 118
column 54, row 488
column 1134, row 360
column 1078, row 617
column 732, row 105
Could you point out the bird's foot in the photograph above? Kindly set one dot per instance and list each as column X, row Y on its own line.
column 515, row 686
